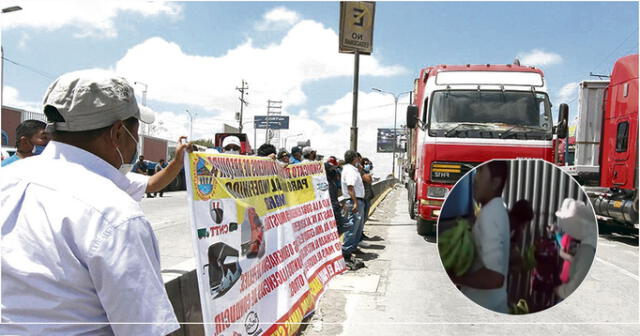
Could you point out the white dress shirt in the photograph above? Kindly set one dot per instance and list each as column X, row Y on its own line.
column 351, row 177
column 491, row 238
column 76, row 248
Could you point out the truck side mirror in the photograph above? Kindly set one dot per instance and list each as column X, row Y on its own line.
column 563, row 121
column 412, row 116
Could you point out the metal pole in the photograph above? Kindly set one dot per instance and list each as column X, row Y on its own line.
column 354, row 117
column 395, row 137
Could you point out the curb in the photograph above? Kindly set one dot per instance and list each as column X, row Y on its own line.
column 379, row 200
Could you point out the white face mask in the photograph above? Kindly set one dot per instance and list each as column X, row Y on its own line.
column 232, row 152
column 125, row 168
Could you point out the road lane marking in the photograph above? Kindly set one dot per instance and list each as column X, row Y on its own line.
column 622, row 270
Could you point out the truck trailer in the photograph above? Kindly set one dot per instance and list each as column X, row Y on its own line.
column 606, row 147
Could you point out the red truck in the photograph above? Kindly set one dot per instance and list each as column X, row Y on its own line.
column 463, row 115
column 606, row 148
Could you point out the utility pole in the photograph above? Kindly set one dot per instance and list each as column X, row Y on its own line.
column 274, row 107
column 242, row 89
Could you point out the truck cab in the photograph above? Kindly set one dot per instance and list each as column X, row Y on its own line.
column 463, row 115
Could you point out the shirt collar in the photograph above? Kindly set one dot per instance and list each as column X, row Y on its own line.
column 61, row 151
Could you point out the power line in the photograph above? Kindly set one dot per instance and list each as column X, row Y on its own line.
column 614, row 50
column 39, row 72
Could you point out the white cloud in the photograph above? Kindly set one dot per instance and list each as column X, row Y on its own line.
column 568, row 92
column 89, row 18
column 539, row 58
column 307, row 53
column 11, row 97
column 278, row 18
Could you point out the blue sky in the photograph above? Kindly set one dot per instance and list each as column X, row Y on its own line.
column 193, row 55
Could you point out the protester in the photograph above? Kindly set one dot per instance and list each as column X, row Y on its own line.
column 576, row 219
column 308, row 154
column 231, row 145
column 352, row 188
column 161, row 165
column 332, row 176
column 283, row 157
column 267, row 150
column 78, row 255
column 296, row 155
column 367, row 180
column 485, row 283
column 30, row 140
column 142, row 167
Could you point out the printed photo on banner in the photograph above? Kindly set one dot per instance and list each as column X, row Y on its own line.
column 265, row 239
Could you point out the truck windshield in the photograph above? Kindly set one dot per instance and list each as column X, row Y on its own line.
column 500, row 114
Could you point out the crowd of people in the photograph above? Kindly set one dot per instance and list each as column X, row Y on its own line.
column 76, row 244
column 350, row 189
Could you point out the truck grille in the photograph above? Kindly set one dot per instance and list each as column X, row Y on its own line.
column 450, row 172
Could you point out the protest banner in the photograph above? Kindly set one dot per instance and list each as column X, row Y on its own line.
column 265, row 239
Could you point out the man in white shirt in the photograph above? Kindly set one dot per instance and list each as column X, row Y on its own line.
column 75, row 247
column 353, row 189
column 486, row 281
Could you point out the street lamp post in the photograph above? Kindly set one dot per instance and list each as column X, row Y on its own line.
column 145, row 130
column 4, row 11
column 291, row 136
column 395, row 135
column 191, row 116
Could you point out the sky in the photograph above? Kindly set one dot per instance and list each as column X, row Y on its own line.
column 193, row 55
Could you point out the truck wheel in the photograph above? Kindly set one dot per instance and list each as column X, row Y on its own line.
column 412, row 209
column 425, row 227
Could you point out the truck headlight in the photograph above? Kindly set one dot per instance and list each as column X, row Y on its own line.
column 437, row 192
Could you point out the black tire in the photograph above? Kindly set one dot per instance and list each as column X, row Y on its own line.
column 426, row 227
column 411, row 198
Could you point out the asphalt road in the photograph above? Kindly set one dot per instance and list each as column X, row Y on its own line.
column 405, row 291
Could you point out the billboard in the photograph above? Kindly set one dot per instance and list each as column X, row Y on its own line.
column 275, row 122
column 385, row 140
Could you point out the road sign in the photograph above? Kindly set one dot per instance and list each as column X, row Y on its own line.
column 275, row 122
column 385, row 140
column 356, row 27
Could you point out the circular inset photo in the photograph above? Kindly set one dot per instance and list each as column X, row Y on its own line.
column 517, row 236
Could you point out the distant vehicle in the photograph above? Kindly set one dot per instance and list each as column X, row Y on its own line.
column 7, row 152
column 606, row 146
column 463, row 115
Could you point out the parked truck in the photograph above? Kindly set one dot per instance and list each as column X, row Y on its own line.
column 606, row 147
column 463, row 115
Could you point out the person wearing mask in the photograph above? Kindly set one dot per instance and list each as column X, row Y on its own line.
column 88, row 249
column 296, row 155
column 367, row 180
column 353, row 189
column 231, row 145
column 308, row 154
column 30, row 140
column 486, row 281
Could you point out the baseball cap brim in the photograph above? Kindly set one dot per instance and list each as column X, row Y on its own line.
column 146, row 114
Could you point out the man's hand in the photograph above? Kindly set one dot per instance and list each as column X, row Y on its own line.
column 355, row 207
column 182, row 147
